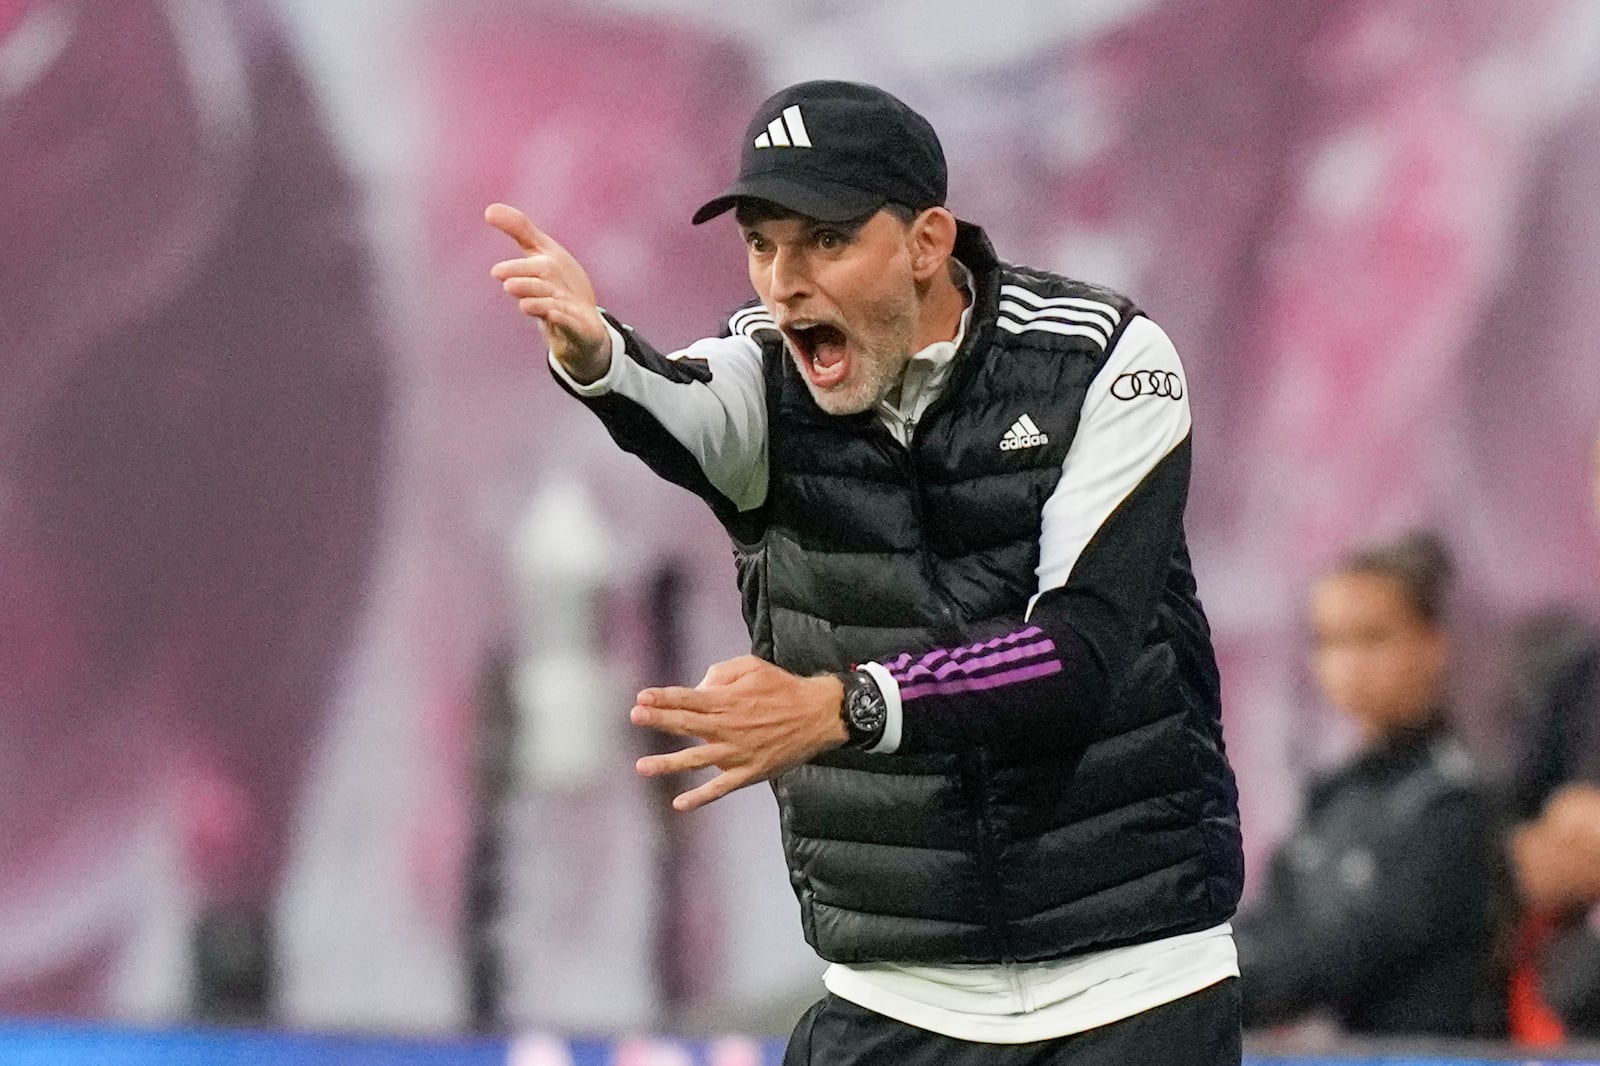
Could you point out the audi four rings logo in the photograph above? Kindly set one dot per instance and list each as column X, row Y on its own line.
column 1148, row 383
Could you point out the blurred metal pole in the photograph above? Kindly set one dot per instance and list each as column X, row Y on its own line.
column 493, row 747
column 675, row 950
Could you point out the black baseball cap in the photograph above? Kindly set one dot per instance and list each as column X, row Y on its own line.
column 835, row 151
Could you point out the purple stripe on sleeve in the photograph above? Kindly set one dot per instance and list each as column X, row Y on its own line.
column 982, row 684
column 901, row 662
column 980, row 664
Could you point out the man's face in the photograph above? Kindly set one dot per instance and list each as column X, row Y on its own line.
column 1377, row 659
column 846, row 301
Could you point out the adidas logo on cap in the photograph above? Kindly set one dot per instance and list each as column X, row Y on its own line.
column 788, row 130
column 1023, row 434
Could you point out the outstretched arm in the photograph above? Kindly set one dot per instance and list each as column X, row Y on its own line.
column 697, row 417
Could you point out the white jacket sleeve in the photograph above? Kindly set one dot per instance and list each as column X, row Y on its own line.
column 708, row 398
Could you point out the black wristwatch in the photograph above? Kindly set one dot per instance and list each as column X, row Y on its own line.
column 864, row 710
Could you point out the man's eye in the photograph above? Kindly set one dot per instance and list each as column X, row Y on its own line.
column 830, row 239
column 756, row 242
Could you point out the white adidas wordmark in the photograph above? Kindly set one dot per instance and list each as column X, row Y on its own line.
column 1023, row 434
column 788, row 130
column 1022, row 310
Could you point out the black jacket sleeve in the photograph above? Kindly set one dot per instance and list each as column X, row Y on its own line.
column 1112, row 572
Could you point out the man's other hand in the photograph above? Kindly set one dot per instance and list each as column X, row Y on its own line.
column 755, row 721
column 549, row 285
column 1557, row 856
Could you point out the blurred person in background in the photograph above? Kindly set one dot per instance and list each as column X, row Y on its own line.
column 1380, row 907
column 1555, row 848
column 190, row 441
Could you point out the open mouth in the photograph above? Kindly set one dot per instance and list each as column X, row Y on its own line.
column 822, row 349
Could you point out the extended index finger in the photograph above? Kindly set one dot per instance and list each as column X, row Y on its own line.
column 516, row 225
column 674, row 720
column 676, row 697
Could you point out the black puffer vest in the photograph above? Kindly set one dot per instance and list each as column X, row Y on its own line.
column 864, row 548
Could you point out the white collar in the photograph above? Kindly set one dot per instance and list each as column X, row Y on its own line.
column 924, row 376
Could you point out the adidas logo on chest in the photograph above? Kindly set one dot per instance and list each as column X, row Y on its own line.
column 1023, row 434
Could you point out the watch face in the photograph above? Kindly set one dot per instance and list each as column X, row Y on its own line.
column 866, row 707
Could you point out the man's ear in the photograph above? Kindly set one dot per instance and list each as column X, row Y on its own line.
column 933, row 240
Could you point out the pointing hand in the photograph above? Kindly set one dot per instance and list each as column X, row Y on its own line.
column 549, row 285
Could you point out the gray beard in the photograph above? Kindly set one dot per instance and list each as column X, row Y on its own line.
column 879, row 373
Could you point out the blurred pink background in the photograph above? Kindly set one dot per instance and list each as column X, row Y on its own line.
column 269, row 432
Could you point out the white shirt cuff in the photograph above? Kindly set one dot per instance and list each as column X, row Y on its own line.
column 889, row 743
column 605, row 382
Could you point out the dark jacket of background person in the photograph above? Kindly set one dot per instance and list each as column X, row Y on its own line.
column 1556, row 696
column 1380, row 906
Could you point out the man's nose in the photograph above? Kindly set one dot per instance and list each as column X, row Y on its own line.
column 790, row 276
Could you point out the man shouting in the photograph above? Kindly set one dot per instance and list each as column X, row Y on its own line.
column 981, row 683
